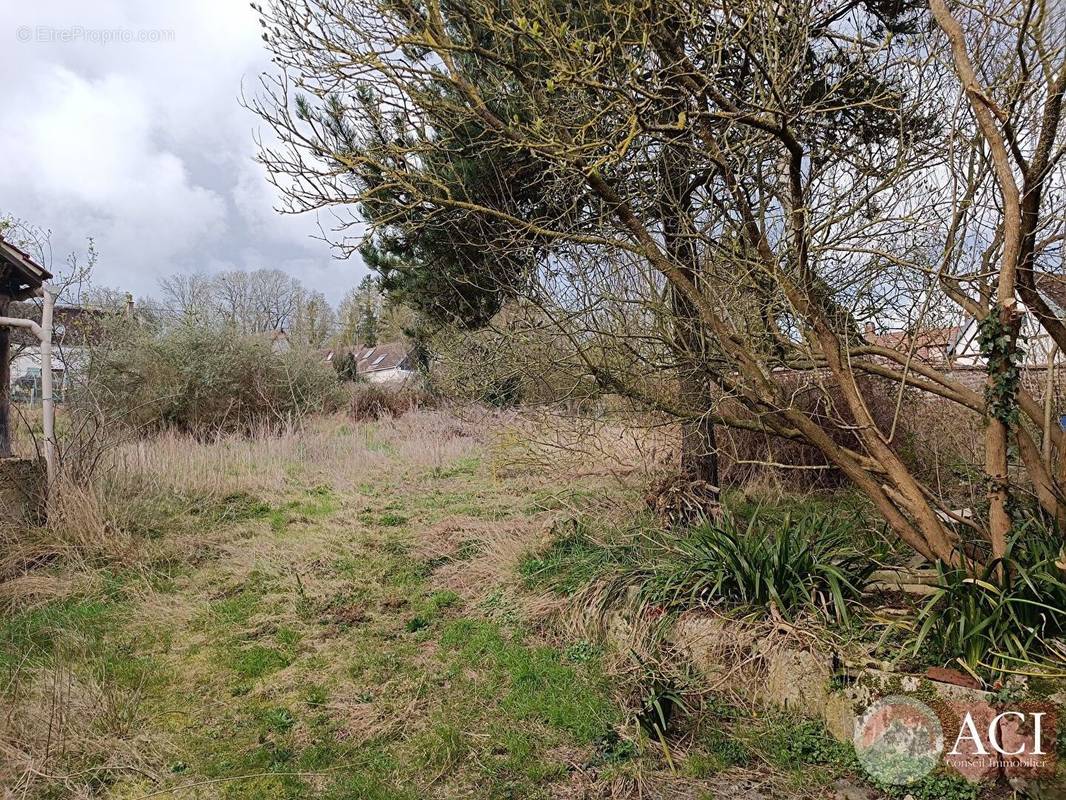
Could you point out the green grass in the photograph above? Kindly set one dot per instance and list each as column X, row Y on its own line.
column 237, row 608
column 498, row 704
column 32, row 637
column 256, row 661
column 568, row 563
column 314, row 504
column 462, row 466
column 158, row 513
column 531, row 683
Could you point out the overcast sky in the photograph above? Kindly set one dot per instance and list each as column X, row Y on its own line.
column 143, row 144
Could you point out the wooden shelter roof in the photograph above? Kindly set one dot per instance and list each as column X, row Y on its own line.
column 20, row 275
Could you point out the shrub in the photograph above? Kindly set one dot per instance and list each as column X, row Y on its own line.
column 938, row 442
column 370, row 401
column 810, row 561
column 206, row 381
column 992, row 626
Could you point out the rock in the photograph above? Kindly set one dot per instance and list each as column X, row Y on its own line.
column 839, row 717
column 844, row 789
column 707, row 640
column 22, row 489
column 911, row 581
column 799, row 681
column 952, row 676
column 953, row 693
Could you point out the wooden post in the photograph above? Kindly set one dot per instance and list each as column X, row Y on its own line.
column 5, row 381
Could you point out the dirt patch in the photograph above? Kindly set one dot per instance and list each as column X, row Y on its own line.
column 349, row 615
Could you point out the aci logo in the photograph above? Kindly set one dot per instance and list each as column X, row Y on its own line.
column 900, row 740
column 1015, row 741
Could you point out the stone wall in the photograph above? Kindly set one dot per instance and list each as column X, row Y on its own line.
column 22, row 490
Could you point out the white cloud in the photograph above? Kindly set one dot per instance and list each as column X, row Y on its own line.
column 145, row 147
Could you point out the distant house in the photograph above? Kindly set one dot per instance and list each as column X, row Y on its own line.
column 390, row 362
column 931, row 345
column 75, row 329
column 965, row 350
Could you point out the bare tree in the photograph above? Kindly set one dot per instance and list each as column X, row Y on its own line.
column 726, row 192
column 187, row 296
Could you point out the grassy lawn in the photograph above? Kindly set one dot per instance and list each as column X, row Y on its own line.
column 357, row 611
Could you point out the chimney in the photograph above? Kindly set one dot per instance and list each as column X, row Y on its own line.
column 129, row 305
column 869, row 329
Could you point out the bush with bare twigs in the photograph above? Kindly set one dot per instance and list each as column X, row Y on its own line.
column 937, row 442
column 206, row 381
column 371, row 401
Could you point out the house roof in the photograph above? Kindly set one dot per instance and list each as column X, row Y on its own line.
column 930, row 345
column 390, row 355
column 20, row 275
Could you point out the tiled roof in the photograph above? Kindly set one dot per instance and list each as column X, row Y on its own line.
column 390, row 355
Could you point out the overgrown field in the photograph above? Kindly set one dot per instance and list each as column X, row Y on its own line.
column 360, row 610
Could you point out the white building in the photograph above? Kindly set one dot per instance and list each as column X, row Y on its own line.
column 74, row 330
column 965, row 350
column 390, row 362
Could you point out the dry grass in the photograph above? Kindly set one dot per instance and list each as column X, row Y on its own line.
column 153, row 484
column 65, row 726
column 498, row 547
column 577, row 447
column 329, row 450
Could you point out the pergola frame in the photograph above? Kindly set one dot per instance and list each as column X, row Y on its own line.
column 20, row 279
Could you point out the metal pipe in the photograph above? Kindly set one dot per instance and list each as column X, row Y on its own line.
column 21, row 322
column 48, row 409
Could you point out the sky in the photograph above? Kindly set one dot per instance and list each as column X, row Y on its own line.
column 122, row 122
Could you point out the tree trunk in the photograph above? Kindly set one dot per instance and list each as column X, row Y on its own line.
column 999, row 369
column 699, row 446
column 699, row 451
